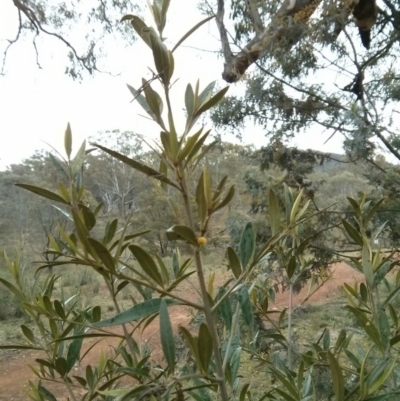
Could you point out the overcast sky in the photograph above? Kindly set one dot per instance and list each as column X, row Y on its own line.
column 35, row 105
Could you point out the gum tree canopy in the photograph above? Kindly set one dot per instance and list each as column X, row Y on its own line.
column 330, row 63
column 81, row 26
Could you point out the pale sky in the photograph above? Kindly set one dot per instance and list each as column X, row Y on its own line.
column 36, row 105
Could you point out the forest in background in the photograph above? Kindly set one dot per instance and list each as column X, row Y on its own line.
column 26, row 221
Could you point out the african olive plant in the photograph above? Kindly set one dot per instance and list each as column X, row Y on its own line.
column 227, row 315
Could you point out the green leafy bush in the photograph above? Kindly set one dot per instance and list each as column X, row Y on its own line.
column 232, row 316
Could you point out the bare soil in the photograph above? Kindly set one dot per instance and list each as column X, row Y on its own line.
column 15, row 374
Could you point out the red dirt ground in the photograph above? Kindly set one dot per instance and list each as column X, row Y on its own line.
column 14, row 372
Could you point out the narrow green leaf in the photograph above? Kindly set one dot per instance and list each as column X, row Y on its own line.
column 12, row 288
column 295, row 207
column 353, row 233
column 393, row 316
column 185, row 233
column 167, row 336
column 43, row 192
column 288, row 202
column 367, row 267
column 139, row 311
column 291, row 267
column 138, row 166
column 140, row 27
column 68, row 141
column 103, row 254
column 147, row 263
column 175, row 264
column 142, row 101
column 74, row 351
column 234, row 262
column 286, row 396
column 191, row 343
column 381, row 272
column 379, row 374
column 212, row 102
column 337, row 377
column 189, row 100
column 326, row 340
column 154, row 101
column 243, row 392
column 197, row 147
column 384, row 329
column 340, row 340
column 61, row 366
column 281, row 317
column 247, row 309
column 160, row 55
column 394, row 340
column 391, row 296
column 205, row 347
column 392, row 396
column 367, row 325
column 228, row 197
column 206, row 94
column 372, row 211
column 46, row 393
column 57, row 164
column 364, row 293
column 354, row 205
column 59, row 309
column 110, row 231
column 188, row 33
column 28, row 333
column 18, row 346
column 247, row 245
column 201, row 200
column 225, row 310
column 77, row 162
column 274, row 213
column 89, row 376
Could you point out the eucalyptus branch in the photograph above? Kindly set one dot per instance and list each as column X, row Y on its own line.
column 255, row 15
column 12, row 41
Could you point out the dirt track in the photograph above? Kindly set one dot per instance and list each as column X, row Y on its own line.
column 14, row 372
